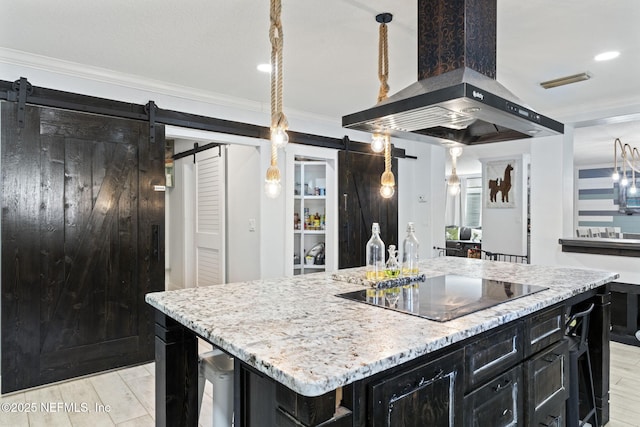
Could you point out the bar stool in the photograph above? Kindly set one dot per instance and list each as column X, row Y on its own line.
column 217, row 368
column 577, row 331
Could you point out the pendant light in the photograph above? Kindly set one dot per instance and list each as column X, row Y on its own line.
column 628, row 157
column 454, row 179
column 387, row 180
column 279, row 124
column 378, row 139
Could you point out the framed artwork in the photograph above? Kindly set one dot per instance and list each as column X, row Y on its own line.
column 499, row 187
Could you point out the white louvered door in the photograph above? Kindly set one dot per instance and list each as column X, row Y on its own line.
column 209, row 221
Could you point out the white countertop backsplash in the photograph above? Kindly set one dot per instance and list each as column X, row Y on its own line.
column 296, row 331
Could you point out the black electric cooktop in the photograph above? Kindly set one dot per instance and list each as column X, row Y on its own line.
column 443, row 298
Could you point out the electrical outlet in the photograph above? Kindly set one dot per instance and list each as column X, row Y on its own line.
column 422, row 198
column 252, row 224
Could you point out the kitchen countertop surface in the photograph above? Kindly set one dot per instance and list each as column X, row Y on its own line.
column 296, row 331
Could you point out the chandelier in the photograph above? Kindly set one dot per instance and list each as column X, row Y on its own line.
column 628, row 156
column 454, row 179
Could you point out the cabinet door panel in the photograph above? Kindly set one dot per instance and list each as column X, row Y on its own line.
column 546, row 380
column 543, row 329
column 488, row 357
column 500, row 400
column 428, row 395
column 554, row 417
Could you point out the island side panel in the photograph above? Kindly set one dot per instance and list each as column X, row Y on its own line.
column 599, row 350
column 176, row 374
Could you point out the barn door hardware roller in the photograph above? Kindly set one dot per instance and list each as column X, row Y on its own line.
column 21, row 89
column 150, row 109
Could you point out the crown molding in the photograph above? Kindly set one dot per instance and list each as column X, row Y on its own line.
column 111, row 77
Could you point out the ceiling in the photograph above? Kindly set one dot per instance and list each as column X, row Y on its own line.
column 330, row 52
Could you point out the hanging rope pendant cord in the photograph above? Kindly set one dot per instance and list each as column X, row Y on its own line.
column 273, row 173
column 383, row 63
column 387, row 177
column 278, row 119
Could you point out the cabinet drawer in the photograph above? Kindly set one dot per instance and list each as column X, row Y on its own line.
column 500, row 401
column 546, row 380
column 542, row 330
column 555, row 417
column 489, row 356
column 427, row 395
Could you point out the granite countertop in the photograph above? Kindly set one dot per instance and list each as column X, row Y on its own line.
column 296, row 331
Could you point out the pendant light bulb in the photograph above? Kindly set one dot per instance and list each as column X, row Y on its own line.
column 633, row 189
column 387, row 191
column 279, row 137
column 454, row 189
column 272, row 188
column 377, row 143
column 454, row 183
column 615, row 176
column 624, row 181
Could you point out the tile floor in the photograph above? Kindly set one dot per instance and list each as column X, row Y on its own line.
column 125, row 397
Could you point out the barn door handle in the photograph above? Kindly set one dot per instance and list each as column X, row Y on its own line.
column 155, row 242
column 344, row 195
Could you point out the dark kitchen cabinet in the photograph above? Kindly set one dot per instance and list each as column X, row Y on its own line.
column 499, row 400
column 546, row 379
column 555, row 417
column 489, row 356
column 543, row 329
column 427, row 395
column 513, row 375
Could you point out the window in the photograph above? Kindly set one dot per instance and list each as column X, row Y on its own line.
column 472, row 202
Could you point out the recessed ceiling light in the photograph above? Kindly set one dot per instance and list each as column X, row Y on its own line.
column 605, row 56
column 265, row 68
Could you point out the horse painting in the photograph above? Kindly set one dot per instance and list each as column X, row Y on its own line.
column 501, row 185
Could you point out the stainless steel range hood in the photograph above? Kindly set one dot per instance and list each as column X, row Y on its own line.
column 456, row 99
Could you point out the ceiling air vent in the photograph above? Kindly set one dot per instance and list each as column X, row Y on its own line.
column 565, row 80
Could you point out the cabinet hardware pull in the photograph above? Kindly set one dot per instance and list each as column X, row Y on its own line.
column 551, row 357
column 344, row 195
column 500, row 386
column 506, row 412
column 436, row 377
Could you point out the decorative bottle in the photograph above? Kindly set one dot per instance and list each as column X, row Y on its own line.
column 410, row 255
column 375, row 255
column 392, row 267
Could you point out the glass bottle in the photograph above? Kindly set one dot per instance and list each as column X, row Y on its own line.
column 392, row 267
column 410, row 255
column 375, row 255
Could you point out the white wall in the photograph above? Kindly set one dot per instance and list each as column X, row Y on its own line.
column 174, row 230
column 421, row 195
column 550, row 196
column 504, row 230
column 243, row 204
column 552, row 211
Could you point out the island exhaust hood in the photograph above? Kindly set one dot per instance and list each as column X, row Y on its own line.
column 456, row 98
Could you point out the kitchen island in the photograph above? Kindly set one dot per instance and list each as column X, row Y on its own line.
column 301, row 352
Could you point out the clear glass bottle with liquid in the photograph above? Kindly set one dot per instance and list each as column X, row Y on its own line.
column 410, row 255
column 375, row 255
column 392, row 267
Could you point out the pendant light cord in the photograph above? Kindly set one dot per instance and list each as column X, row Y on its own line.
column 383, row 63
column 278, row 119
column 387, row 155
